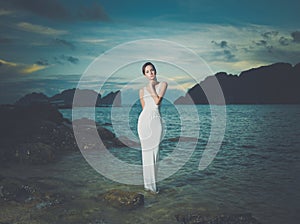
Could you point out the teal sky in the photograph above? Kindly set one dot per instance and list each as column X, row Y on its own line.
column 45, row 46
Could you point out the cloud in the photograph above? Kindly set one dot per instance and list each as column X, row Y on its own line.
column 265, row 44
column 284, row 41
column 32, row 68
column 222, row 44
column 296, row 36
column 65, row 43
column 63, row 58
column 269, row 34
column 42, row 62
column 227, row 50
column 71, row 59
column 4, row 40
column 93, row 13
column 13, row 69
column 229, row 55
column 51, row 9
column 57, row 10
column 261, row 43
column 4, row 12
column 44, row 30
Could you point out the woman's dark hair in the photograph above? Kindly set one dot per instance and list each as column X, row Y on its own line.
column 145, row 65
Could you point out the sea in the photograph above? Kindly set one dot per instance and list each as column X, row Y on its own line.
column 254, row 168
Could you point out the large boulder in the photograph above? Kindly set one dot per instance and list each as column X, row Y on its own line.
column 33, row 134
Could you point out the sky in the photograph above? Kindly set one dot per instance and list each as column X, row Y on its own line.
column 47, row 46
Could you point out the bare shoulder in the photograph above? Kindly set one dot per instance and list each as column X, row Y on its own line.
column 164, row 84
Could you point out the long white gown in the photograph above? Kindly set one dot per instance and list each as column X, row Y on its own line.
column 150, row 133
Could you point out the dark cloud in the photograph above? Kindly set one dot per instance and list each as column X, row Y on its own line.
column 261, row 43
column 95, row 12
column 51, row 9
column 64, row 43
column 296, row 36
column 284, row 41
column 222, row 44
column 4, row 40
column 72, row 59
column 229, row 56
column 265, row 44
column 57, row 10
column 42, row 62
column 269, row 34
column 64, row 58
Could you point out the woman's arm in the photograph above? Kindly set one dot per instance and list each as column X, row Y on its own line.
column 158, row 97
column 141, row 97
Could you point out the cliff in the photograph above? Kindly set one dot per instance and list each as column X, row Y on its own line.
column 273, row 84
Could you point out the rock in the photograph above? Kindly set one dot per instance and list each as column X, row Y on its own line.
column 124, row 200
column 88, row 133
column 12, row 189
column 33, row 98
column 255, row 86
column 18, row 123
column 128, row 142
column 246, row 218
column 47, row 200
column 34, row 153
column 21, row 191
column 34, row 134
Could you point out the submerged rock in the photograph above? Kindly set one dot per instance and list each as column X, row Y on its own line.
column 26, row 192
column 47, row 200
column 246, row 218
column 124, row 200
column 90, row 133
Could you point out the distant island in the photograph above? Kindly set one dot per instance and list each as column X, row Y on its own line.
column 278, row 83
column 65, row 99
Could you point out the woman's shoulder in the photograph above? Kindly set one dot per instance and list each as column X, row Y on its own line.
column 164, row 83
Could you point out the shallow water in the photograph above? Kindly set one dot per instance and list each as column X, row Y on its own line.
column 256, row 169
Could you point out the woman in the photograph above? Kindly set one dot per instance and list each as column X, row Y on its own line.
column 150, row 124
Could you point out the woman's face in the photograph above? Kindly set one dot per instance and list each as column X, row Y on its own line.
column 150, row 72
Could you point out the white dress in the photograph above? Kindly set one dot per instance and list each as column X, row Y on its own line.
column 150, row 133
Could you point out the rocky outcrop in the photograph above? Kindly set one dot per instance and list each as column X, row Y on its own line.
column 38, row 134
column 273, row 84
column 33, row 98
column 88, row 133
column 85, row 98
column 123, row 200
column 111, row 99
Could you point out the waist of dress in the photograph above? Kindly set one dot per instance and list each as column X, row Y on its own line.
column 150, row 108
column 150, row 111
